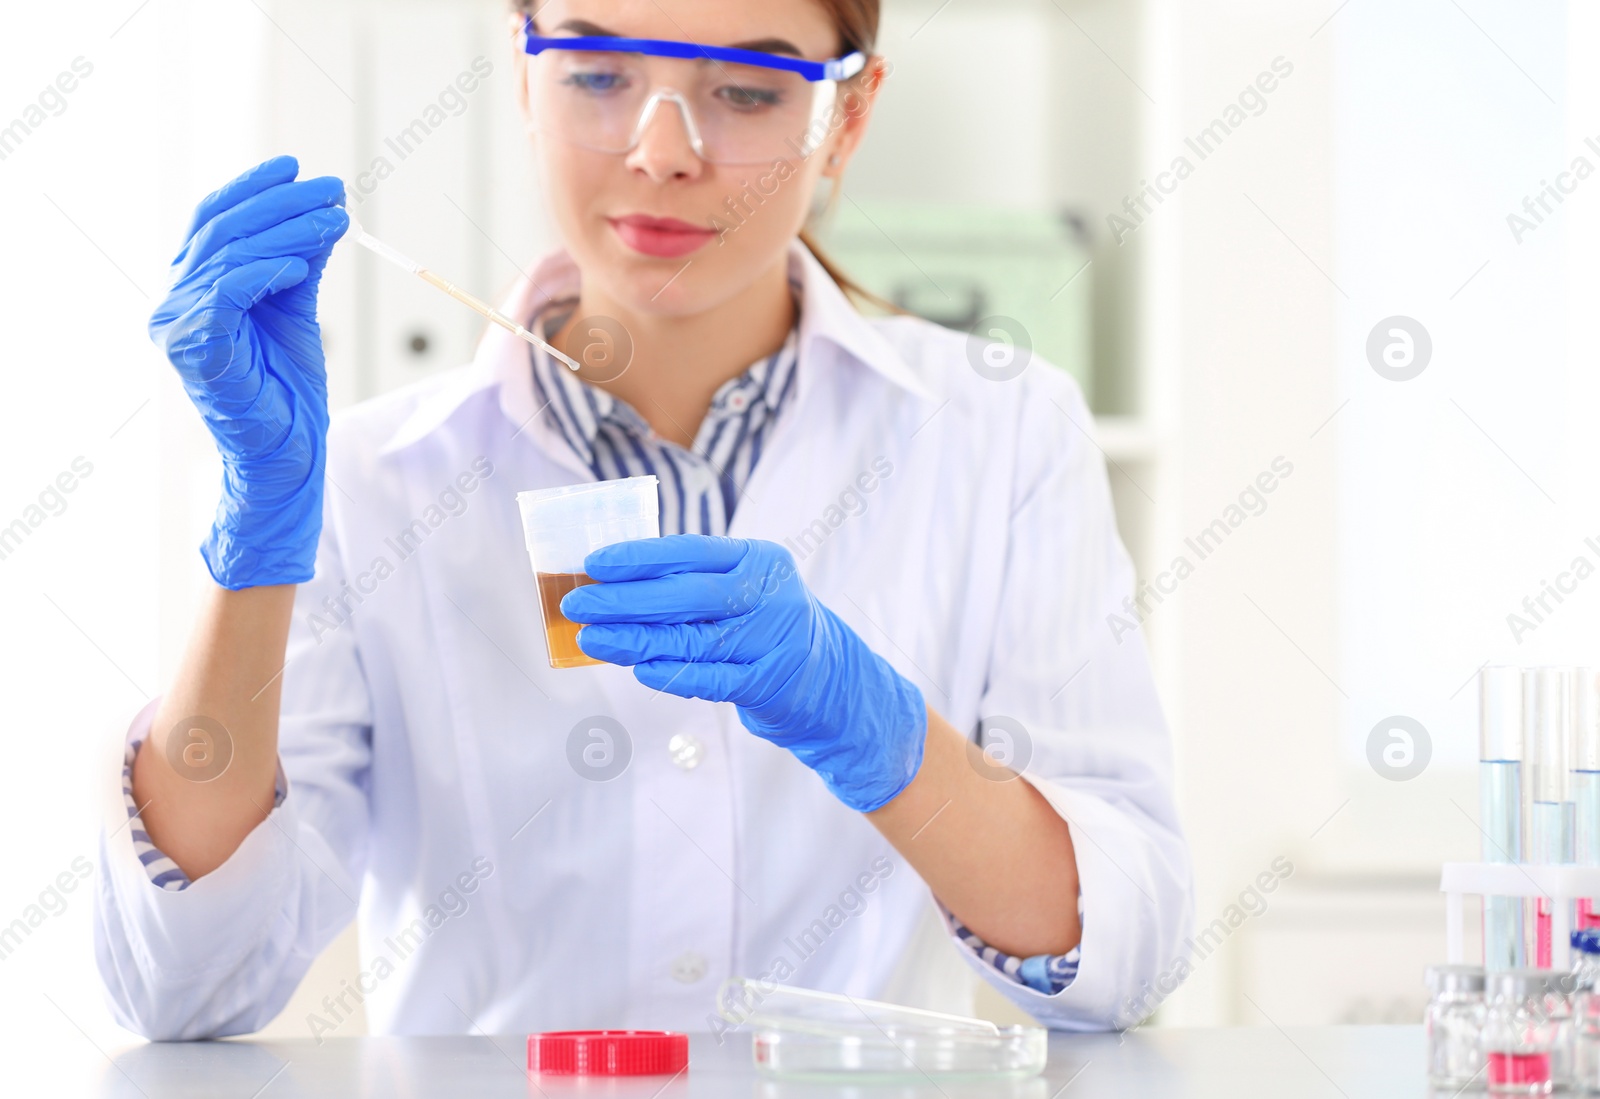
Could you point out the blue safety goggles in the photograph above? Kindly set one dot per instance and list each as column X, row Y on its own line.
column 839, row 68
column 737, row 106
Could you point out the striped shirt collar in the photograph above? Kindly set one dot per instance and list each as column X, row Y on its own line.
column 580, row 408
column 501, row 360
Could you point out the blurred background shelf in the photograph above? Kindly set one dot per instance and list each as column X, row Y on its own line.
column 1127, row 440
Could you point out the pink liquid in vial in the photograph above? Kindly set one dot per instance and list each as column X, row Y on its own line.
column 1519, row 1068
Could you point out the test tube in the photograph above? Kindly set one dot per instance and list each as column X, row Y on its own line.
column 1586, row 781
column 564, row 525
column 1547, row 733
column 1500, row 749
column 1547, row 721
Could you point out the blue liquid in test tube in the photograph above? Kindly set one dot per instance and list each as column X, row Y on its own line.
column 1500, row 807
column 1586, row 824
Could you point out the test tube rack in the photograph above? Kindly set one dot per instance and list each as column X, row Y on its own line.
column 1507, row 879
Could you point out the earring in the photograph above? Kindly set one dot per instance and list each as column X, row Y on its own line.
column 833, row 161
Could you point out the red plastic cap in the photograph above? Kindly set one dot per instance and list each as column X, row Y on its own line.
column 608, row 1052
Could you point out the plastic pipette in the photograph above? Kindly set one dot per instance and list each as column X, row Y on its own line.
column 367, row 240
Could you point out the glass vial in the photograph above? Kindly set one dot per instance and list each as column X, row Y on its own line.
column 1528, row 1037
column 1455, row 1025
column 1586, row 1013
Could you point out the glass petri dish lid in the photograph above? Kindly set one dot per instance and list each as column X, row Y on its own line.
column 799, row 1032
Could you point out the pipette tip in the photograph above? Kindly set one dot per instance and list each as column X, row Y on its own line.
column 367, row 240
column 537, row 342
column 372, row 243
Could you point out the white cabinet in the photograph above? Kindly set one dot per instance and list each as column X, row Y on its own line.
column 413, row 104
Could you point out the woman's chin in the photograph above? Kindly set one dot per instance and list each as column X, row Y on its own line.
column 648, row 286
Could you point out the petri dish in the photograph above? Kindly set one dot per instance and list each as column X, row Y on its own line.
column 805, row 1034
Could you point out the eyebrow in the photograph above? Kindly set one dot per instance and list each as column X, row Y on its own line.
column 586, row 29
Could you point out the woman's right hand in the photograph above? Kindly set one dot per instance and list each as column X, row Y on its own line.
column 240, row 327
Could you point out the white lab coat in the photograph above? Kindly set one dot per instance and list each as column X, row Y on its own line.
column 426, row 743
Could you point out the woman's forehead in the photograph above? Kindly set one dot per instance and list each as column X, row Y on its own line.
column 802, row 23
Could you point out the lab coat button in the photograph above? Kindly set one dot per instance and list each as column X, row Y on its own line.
column 689, row 967
column 687, row 750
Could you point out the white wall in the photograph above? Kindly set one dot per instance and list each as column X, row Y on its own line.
column 1244, row 325
column 1375, row 183
column 78, row 600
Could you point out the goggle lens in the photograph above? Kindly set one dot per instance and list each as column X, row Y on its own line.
column 731, row 113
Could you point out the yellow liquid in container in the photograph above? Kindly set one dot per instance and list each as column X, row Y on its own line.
column 560, row 634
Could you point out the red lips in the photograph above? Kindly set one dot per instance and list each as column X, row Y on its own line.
column 665, row 237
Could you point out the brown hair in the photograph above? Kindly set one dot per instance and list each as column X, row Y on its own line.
column 857, row 24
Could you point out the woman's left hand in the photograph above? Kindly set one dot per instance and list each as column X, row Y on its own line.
column 730, row 620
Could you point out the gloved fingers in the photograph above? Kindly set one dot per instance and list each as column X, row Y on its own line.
column 711, row 682
column 307, row 236
column 698, row 642
column 646, row 558
column 257, row 425
column 685, row 597
column 260, row 215
column 269, row 173
column 204, row 343
column 241, row 289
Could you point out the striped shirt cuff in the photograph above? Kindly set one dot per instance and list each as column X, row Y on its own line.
column 1046, row 973
column 163, row 872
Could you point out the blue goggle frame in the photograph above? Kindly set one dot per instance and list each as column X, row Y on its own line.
column 839, row 68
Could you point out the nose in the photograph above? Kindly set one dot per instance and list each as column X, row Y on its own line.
column 665, row 150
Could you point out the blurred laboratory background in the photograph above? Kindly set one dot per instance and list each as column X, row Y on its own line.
column 1349, row 249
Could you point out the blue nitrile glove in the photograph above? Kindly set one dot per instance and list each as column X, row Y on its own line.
column 730, row 620
column 240, row 326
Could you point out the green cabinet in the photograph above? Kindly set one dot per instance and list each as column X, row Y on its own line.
column 958, row 266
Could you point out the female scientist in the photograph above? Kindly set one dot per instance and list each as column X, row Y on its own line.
column 876, row 556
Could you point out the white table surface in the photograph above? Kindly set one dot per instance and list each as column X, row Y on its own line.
column 1238, row 1063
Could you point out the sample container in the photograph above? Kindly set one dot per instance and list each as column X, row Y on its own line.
column 564, row 525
